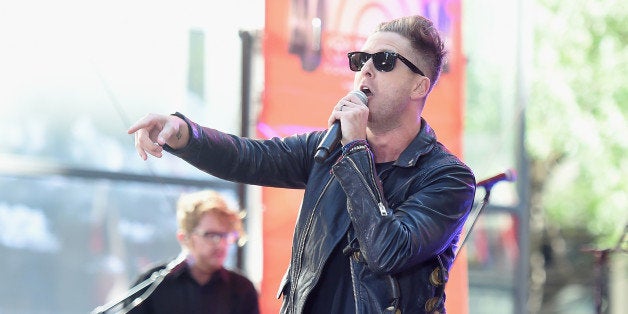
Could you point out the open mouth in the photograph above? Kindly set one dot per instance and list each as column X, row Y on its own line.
column 366, row 91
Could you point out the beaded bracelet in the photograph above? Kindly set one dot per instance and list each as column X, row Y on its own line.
column 354, row 146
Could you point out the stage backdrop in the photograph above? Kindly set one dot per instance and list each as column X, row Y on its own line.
column 306, row 72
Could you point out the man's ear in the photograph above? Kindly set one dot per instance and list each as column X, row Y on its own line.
column 422, row 87
column 182, row 238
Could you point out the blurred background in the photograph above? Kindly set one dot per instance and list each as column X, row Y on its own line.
column 544, row 95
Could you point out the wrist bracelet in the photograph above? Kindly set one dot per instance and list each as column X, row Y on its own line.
column 355, row 145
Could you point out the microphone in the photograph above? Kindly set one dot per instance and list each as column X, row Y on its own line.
column 334, row 134
column 509, row 175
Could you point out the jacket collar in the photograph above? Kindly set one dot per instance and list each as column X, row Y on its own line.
column 420, row 145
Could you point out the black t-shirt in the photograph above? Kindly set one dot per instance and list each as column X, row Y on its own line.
column 334, row 291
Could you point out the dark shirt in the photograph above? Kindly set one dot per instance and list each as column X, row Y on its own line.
column 178, row 293
column 334, row 291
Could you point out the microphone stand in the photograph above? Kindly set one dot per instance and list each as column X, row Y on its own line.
column 151, row 282
column 487, row 184
column 474, row 218
column 601, row 270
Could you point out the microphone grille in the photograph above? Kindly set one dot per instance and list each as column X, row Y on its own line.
column 360, row 94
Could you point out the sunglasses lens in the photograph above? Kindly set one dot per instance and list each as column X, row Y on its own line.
column 357, row 60
column 384, row 61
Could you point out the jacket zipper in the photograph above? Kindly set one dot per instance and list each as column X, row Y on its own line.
column 301, row 244
column 377, row 198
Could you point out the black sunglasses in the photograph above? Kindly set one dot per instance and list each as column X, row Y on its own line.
column 383, row 61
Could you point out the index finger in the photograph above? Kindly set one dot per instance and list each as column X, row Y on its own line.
column 140, row 124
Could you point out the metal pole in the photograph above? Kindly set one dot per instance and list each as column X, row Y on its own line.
column 524, row 43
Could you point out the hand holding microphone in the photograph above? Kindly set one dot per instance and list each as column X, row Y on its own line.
column 334, row 133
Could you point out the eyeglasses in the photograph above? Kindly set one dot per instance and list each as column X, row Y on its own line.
column 217, row 237
column 383, row 61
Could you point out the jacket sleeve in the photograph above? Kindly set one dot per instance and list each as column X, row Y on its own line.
column 427, row 222
column 276, row 162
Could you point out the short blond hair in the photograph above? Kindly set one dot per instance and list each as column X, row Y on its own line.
column 192, row 206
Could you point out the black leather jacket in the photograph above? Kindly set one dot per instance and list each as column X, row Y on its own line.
column 401, row 230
